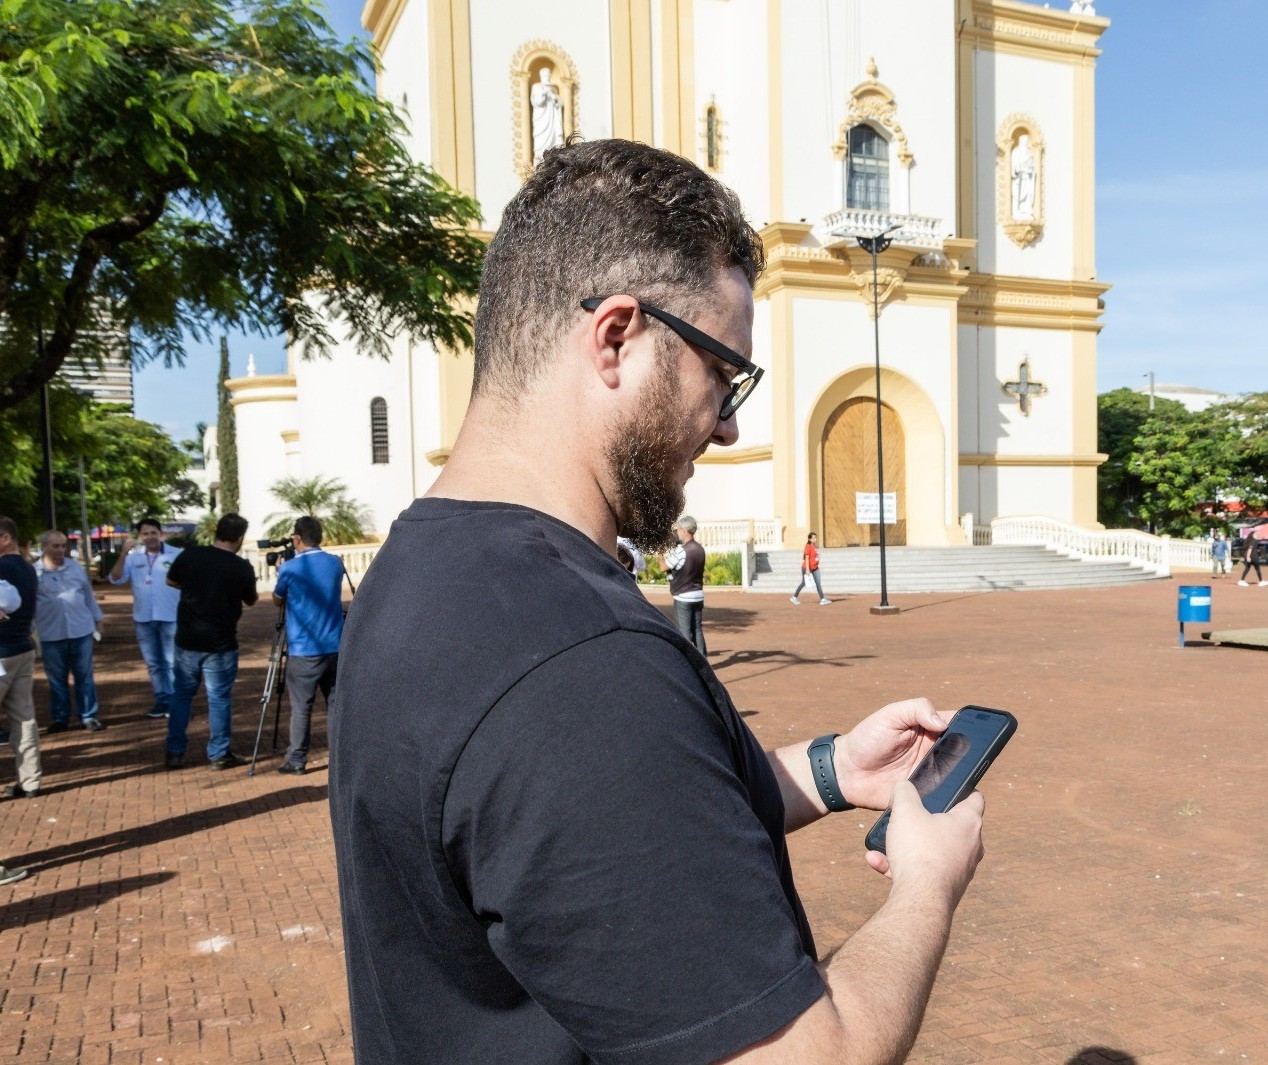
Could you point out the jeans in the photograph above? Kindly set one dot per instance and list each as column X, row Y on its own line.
column 304, row 675
column 690, row 619
column 73, row 657
column 813, row 573
column 157, row 641
column 219, row 671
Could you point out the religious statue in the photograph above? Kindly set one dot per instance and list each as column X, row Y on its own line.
column 1022, row 168
column 548, row 115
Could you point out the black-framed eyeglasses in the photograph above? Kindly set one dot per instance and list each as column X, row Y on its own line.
column 741, row 387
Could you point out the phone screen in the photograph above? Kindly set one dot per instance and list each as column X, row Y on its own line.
column 947, row 766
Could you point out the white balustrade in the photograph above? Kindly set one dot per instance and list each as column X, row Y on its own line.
column 1157, row 554
column 720, row 537
column 917, row 231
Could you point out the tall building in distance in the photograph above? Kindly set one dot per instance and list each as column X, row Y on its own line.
column 109, row 381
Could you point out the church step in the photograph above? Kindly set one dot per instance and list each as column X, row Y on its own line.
column 915, row 569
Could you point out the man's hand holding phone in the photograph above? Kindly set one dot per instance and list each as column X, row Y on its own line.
column 931, row 852
column 884, row 748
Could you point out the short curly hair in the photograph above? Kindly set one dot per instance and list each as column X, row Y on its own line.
column 598, row 218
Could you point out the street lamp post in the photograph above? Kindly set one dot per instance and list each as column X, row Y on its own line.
column 1150, row 375
column 874, row 245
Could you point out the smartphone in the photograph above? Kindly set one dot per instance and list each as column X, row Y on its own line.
column 952, row 767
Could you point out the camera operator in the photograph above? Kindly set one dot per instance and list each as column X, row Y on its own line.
column 308, row 586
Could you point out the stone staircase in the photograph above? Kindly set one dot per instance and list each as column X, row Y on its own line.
column 846, row 570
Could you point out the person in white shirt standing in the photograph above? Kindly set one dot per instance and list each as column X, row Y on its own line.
column 145, row 563
column 67, row 617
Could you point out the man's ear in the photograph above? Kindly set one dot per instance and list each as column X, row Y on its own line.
column 613, row 326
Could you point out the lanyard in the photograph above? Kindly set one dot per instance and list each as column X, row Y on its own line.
column 149, row 566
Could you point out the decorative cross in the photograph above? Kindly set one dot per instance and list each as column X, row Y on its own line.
column 1024, row 388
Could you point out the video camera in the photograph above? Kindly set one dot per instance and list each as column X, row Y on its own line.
column 272, row 558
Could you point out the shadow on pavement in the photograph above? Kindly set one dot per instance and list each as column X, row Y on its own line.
column 940, row 602
column 1101, row 1056
column 774, row 661
column 43, row 908
column 171, row 827
column 716, row 618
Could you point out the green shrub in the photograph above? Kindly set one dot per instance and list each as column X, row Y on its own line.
column 718, row 569
column 723, row 569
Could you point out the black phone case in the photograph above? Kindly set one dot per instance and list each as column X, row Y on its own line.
column 875, row 840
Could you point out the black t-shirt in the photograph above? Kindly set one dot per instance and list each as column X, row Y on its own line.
column 214, row 585
column 689, row 577
column 15, row 631
column 557, row 840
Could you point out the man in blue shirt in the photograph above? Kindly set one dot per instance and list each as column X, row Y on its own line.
column 67, row 618
column 144, row 563
column 308, row 586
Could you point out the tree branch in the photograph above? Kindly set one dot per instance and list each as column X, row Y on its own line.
column 96, row 244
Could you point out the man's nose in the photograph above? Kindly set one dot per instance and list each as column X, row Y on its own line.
column 726, row 433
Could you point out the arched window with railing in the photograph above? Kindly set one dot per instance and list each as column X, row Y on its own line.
column 867, row 170
column 378, row 430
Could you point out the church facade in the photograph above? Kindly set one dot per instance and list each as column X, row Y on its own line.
column 963, row 127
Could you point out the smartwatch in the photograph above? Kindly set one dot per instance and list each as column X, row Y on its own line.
column 825, row 773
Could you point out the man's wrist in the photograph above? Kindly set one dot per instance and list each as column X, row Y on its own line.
column 822, row 755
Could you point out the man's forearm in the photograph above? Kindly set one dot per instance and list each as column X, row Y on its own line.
column 878, row 985
column 881, row 979
column 802, row 805
column 116, row 571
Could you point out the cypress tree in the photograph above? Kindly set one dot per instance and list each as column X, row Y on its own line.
column 226, row 438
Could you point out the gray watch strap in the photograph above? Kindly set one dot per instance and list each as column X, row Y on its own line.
column 825, row 773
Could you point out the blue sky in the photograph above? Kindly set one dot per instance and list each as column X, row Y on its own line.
column 1182, row 208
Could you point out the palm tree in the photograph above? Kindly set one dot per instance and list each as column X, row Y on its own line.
column 342, row 519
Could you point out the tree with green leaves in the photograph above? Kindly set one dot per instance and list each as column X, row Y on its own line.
column 179, row 167
column 226, row 438
column 132, row 468
column 343, row 520
column 1182, row 460
column 1120, row 416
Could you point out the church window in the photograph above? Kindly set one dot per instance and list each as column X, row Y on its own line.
column 378, row 430
column 867, row 170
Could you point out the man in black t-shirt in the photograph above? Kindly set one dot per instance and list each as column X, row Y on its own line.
column 558, row 843
column 215, row 584
column 19, row 589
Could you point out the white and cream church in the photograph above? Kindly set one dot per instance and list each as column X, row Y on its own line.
column 965, row 127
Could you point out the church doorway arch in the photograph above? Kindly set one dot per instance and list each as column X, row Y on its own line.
column 849, row 466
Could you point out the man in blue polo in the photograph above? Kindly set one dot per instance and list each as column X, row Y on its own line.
column 308, row 586
column 144, row 562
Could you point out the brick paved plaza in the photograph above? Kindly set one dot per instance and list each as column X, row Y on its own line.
column 192, row 916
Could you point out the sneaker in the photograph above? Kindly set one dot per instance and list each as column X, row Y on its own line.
column 1240, row 584
column 1262, row 583
column 17, row 791
column 291, row 769
column 794, row 600
column 825, row 602
column 92, row 724
column 12, row 876
column 174, row 761
column 57, row 726
column 157, row 712
column 227, row 761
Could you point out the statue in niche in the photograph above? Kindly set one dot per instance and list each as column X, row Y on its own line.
column 548, row 115
column 1022, row 168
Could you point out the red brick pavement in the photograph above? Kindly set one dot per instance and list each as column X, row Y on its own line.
column 192, row 916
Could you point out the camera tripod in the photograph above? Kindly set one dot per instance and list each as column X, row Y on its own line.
column 274, row 676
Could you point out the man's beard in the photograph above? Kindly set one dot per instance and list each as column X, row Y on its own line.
column 643, row 456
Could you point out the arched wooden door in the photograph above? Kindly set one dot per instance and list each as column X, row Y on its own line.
column 849, row 466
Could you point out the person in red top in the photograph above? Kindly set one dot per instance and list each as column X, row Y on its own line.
column 810, row 566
